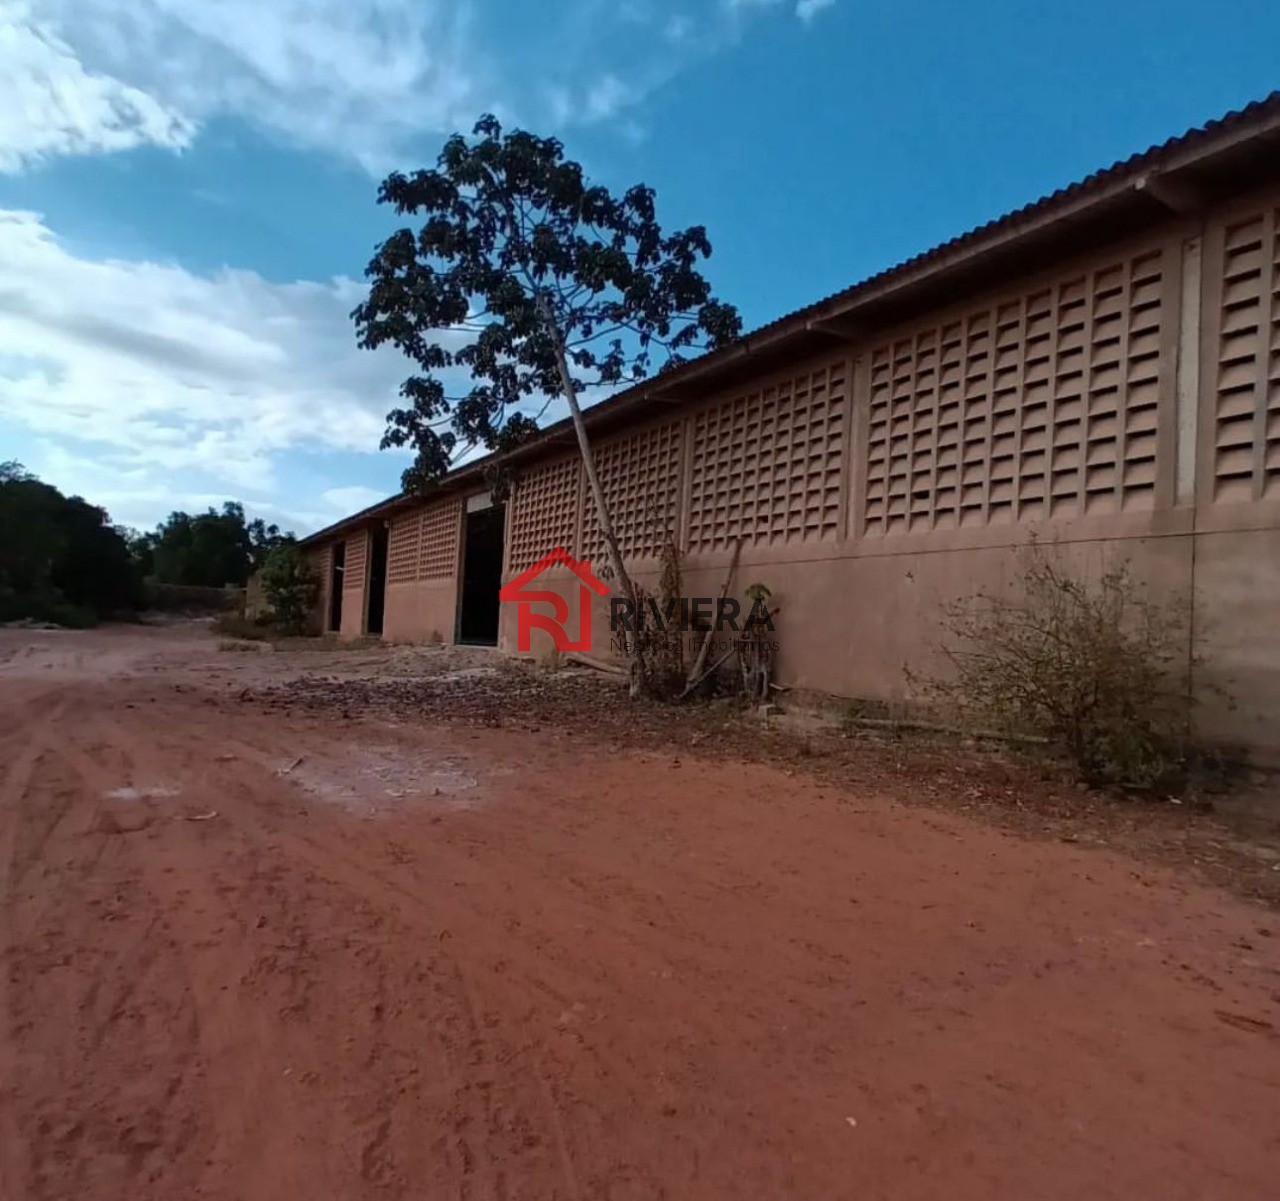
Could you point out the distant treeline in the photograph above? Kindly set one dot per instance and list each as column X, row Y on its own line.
column 62, row 560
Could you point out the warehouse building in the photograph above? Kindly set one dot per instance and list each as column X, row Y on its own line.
column 1098, row 371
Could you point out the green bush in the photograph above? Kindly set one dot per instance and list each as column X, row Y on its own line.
column 289, row 587
column 190, row 598
column 45, row 606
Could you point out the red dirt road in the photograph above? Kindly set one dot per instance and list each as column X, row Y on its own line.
column 429, row 963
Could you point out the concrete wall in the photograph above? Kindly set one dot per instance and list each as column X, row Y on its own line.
column 320, row 560
column 355, row 584
column 1237, row 636
column 1124, row 406
column 422, row 573
column 421, row 612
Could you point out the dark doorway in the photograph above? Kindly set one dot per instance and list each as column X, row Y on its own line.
column 377, row 582
column 336, row 578
column 481, row 577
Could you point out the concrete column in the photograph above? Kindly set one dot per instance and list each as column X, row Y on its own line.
column 1188, row 379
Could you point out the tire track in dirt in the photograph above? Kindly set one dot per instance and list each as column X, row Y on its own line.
column 243, row 770
column 483, row 1050
column 247, row 844
column 31, row 738
column 534, row 1064
column 209, row 885
column 111, row 996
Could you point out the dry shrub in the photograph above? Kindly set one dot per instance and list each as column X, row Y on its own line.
column 1099, row 670
column 241, row 647
column 252, row 629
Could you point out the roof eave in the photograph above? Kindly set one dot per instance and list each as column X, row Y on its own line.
column 1157, row 176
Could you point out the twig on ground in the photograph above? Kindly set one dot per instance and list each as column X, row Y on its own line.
column 612, row 669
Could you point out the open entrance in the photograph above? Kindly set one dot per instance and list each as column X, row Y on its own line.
column 337, row 575
column 377, row 581
column 481, row 576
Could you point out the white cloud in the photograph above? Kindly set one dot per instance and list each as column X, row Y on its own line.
column 147, row 387
column 129, row 496
column 359, row 79
column 603, row 99
column 351, row 499
column 172, row 382
column 607, row 97
column 806, row 10
column 372, row 80
column 50, row 104
column 678, row 29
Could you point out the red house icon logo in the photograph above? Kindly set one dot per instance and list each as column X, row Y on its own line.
column 517, row 590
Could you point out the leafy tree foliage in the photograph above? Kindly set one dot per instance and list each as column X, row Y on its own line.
column 263, row 539
column 141, row 550
column 290, row 587
column 60, row 557
column 62, row 560
column 211, row 549
column 529, row 282
column 519, row 262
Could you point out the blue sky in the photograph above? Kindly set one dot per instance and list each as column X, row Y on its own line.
column 187, row 186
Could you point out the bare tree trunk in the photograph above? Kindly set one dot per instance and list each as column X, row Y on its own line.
column 695, row 673
column 602, row 509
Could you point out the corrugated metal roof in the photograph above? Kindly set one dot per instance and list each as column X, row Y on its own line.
column 1172, row 153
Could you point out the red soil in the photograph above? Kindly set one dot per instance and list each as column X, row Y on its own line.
column 259, row 956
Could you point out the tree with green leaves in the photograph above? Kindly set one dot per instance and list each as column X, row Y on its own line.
column 263, row 539
column 290, row 586
column 531, row 283
column 61, row 559
column 209, row 549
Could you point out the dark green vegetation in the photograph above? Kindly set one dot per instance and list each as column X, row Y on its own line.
column 61, row 559
column 213, row 549
column 289, row 586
